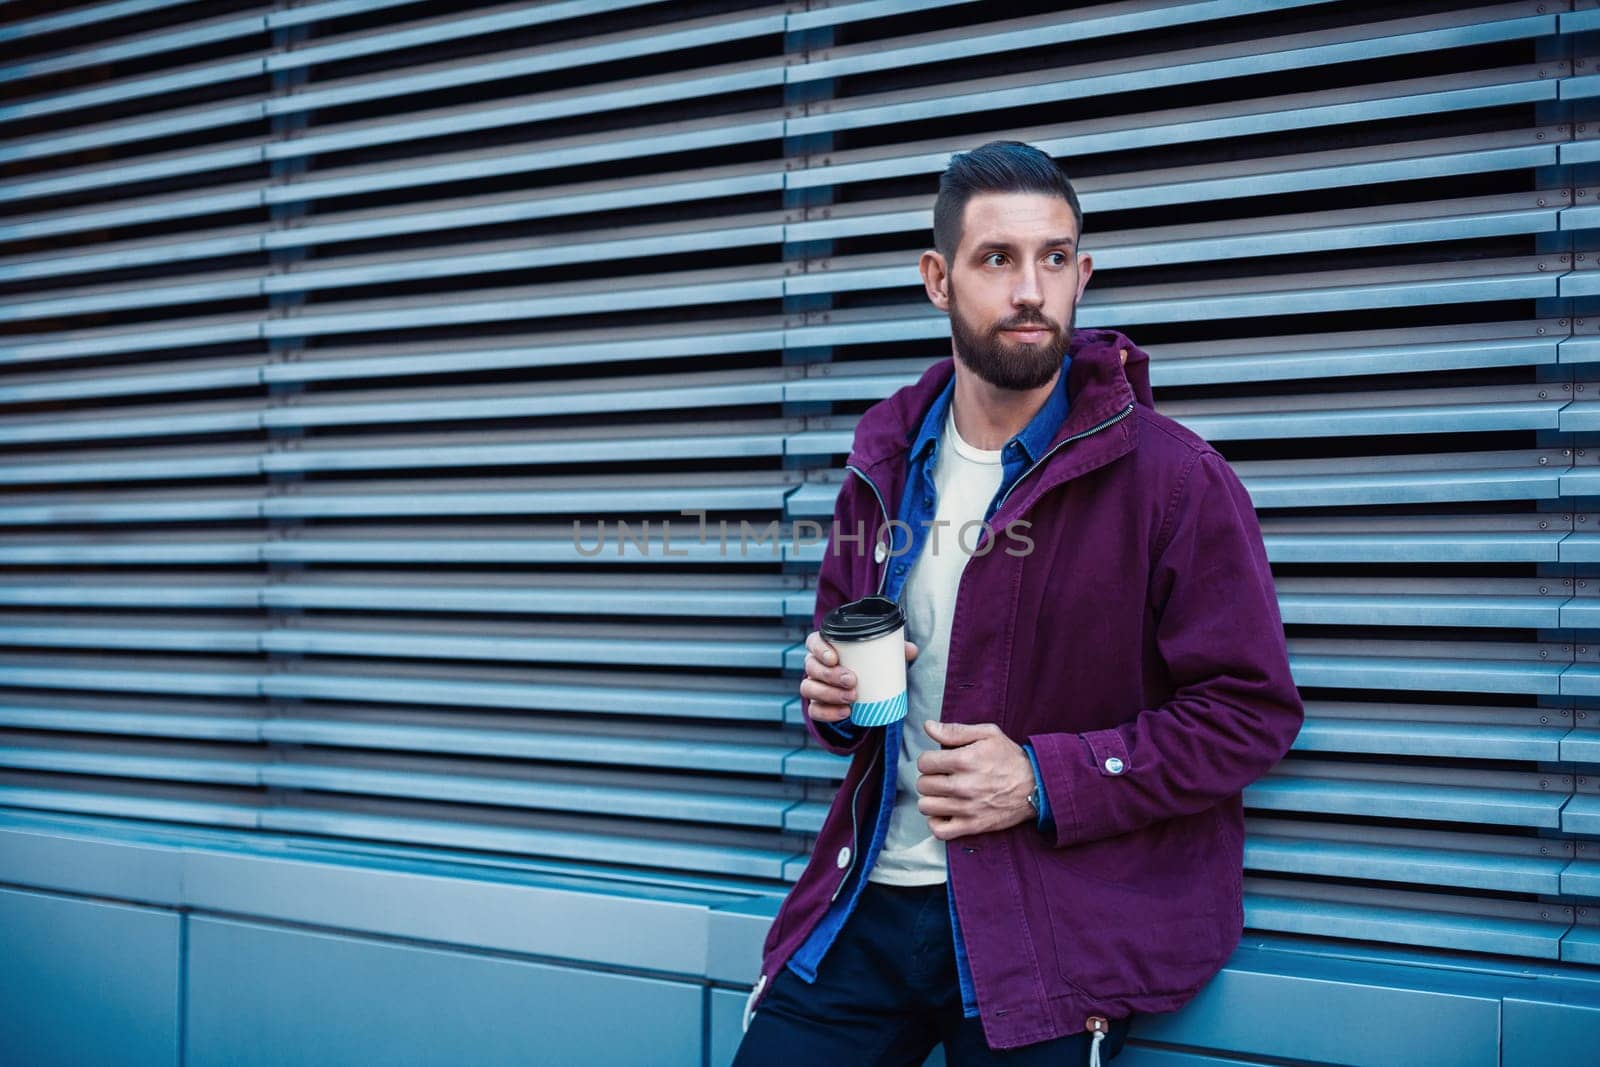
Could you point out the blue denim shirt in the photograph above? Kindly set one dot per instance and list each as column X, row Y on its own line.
column 917, row 510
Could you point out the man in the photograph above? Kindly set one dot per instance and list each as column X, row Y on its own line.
column 1052, row 840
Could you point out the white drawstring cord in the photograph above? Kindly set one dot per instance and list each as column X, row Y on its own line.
column 750, row 1002
column 1100, row 1026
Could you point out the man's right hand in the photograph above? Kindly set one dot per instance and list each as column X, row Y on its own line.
column 828, row 689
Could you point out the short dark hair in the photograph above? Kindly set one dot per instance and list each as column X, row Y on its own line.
column 997, row 167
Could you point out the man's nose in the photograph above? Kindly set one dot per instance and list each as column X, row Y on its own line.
column 1027, row 292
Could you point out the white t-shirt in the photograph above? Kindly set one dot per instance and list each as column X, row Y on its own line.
column 966, row 479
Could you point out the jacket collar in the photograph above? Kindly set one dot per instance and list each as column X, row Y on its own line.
column 1097, row 381
column 1033, row 439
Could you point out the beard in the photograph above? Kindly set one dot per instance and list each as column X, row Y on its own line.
column 1000, row 362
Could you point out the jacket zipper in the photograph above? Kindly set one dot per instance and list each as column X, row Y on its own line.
column 883, row 572
column 854, row 849
column 1112, row 421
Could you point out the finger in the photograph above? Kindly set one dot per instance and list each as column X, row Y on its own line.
column 943, row 761
column 952, row 734
column 911, row 651
column 827, row 712
column 811, row 689
column 818, row 646
column 940, row 806
column 838, row 677
column 949, row 827
column 841, row 677
column 940, row 785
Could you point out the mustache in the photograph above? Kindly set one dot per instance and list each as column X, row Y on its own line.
column 1023, row 323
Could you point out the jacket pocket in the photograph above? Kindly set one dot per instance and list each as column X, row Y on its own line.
column 1142, row 913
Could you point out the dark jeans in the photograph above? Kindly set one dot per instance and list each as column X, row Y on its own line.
column 886, row 994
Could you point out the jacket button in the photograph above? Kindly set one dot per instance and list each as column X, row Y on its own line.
column 1113, row 765
column 844, row 857
column 880, row 553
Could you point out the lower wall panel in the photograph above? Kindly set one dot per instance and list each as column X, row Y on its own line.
column 84, row 982
column 262, row 996
column 189, row 972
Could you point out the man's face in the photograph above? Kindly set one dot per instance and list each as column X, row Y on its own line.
column 1020, row 276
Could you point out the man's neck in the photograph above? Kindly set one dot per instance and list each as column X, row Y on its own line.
column 988, row 416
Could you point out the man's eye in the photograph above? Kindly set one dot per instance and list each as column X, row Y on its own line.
column 991, row 258
column 1058, row 258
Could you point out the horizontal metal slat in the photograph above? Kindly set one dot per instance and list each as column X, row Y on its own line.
column 87, row 15
column 729, row 859
column 1206, row 183
column 1387, row 226
column 1294, row 111
column 1438, row 731
column 232, row 417
column 454, row 213
column 1416, row 857
column 1398, row 800
column 415, row 642
column 1421, row 539
column 1413, row 666
column 597, row 597
column 633, row 803
column 589, row 847
column 1582, row 815
column 240, row 772
column 686, row 289
column 1479, row 476
column 243, row 152
column 943, row 46
column 460, row 497
column 1144, row 72
column 557, row 153
column 107, row 719
column 550, row 746
column 163, row 809
column 443, row 262
column 80, row 344
column 217, row 635
column 1519, row 603
column 671, row 444
column 410, row 452
column 580, row 51
column 660, row 392
column 665, row 649
column 120, row 551
column 181, row 36
column 1420, row 920
column 38, row 673
column 207, row 376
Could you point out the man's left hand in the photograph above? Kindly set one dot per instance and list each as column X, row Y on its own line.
column 979, row 781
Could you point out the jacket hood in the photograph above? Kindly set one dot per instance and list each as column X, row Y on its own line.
column 1099, row 385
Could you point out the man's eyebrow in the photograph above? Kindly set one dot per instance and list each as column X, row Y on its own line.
column 1065, row 239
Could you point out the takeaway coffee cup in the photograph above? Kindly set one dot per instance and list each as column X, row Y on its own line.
column 870, row 636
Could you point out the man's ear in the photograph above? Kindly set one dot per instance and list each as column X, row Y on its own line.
column 935, row 279
column 1085, row 268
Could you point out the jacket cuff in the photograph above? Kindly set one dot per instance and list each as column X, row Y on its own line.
column 840, row 738
column 1063, row 761
column 1046, row 822
column 843, row 732
column 1079, row 767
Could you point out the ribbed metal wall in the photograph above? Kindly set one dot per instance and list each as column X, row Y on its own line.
column 323, row 325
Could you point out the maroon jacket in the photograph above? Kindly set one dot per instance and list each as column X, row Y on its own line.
column 1142, row 628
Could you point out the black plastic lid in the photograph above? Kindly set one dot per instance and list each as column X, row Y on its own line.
column 871, row 616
